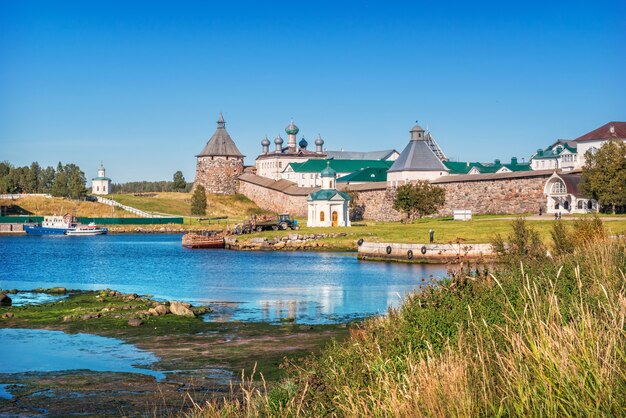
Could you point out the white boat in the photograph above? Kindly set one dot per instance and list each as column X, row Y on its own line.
column 90, row 229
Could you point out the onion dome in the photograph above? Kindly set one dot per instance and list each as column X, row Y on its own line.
column 265, row 142
column 328, row 171
column 292, row 129
column 278, row 140
column 303, row 143
column 319, row 140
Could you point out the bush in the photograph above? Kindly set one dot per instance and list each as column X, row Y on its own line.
column 523, row 243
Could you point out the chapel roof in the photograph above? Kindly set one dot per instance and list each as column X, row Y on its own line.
column 328, row 194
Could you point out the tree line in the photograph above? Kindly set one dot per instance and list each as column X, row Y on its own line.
column 178, row 184
column 65, row 181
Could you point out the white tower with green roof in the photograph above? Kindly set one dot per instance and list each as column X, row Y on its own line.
column 101, row 184
column 328, row 206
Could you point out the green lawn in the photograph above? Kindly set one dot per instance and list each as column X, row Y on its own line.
column 480, row 230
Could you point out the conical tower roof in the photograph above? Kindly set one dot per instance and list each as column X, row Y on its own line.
column 417, row 156
column 220, row 144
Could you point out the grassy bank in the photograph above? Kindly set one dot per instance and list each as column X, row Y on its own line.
column 47, row 206
column 236, row 206
column 480, row 230
column 544, row 337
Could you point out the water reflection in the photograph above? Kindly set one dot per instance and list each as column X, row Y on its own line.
column 29, row 350
column 240, row 285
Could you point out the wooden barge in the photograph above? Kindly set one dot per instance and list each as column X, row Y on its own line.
column 203, row 240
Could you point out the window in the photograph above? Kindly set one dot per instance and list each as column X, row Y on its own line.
column 581, row 204
column 97, row 188
column 591, row 205
column 331, row 184
column 566, row 205
column 556, row 205
column 322, row 216
column 558, row 187
column 593, row 150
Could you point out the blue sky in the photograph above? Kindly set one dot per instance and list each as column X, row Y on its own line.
column 140, row 85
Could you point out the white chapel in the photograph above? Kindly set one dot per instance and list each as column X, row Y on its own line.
column 328, row 206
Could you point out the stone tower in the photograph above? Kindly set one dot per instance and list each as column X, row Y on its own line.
column 220, row 163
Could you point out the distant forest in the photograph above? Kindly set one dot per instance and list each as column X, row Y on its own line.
column 148, row 187
column 69, row 181
column 66, row 181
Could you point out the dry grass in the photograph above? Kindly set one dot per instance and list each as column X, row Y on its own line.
column 554, row 345
column 45, row 206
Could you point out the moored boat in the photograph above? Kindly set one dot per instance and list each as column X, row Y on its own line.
column 90, row 229
column 63, row 225
column 204, row 240
column 51, row 225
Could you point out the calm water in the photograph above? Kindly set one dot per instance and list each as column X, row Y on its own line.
column 27, row 350
column 242, row 285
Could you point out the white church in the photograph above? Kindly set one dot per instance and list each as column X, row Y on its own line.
column 101, row 184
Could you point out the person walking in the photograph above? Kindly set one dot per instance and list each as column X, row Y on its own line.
column 431, row 236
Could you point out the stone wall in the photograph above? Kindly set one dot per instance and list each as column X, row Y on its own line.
column 376, row 205
column 218, row 174
column 498, row 196
column 508, row 193
column 274, row 200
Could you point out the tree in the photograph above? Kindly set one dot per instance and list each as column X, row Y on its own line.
column 198, row 201
column 604, row 174
column 60, row 185
column 46, row 180
column 179, row 182
column 75, row 181
column 419, row 199
column 34, row 175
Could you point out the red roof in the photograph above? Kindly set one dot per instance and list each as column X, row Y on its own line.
column 607, row 131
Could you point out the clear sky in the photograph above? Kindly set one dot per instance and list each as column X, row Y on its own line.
column 140, row 84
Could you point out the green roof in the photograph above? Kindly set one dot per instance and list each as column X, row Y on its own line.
column 369, row 174
column 101, row 178
column 458, row 167
column 327, row 194
column 340, row 166
column 553, row 152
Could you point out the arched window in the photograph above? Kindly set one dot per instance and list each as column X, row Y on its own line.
column 581, row 204
column 590, row 205
column 558, row 187
column 593, row 150
column 566, row 205
column 556, row 205
column 322, row 216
